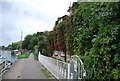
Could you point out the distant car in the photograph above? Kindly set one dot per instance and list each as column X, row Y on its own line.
column 56, row 53
column 62, row 54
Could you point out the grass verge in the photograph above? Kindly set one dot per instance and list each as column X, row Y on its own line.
column 46, row 73
column 35, row 56
column 24, row 56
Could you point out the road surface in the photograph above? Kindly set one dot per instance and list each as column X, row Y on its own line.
column 25, row 69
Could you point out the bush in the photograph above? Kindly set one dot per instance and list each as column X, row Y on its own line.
column 35, row 56
column 23, row 56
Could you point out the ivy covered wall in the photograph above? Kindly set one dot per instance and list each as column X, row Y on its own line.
column 92, row 31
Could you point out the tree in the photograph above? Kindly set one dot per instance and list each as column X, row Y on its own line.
column 36, row 41
column 15, row 45
column 26, row 41
column 33, row 42
column 9, row 47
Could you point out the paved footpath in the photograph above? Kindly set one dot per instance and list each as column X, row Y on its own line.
column 25, row 69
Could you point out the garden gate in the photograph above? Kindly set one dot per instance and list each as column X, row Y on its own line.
column 77, row 70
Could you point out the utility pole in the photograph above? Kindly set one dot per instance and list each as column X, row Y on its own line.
column 70, row 3
column 21, row 42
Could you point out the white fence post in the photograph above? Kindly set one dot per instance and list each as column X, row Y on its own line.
column 59, row 69
column 68, row 71
column 39, row 56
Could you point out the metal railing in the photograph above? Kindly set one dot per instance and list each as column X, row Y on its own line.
column 62, row 70
column 58, row 68
column 2, row 68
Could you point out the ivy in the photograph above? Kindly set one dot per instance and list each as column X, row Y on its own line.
column 92, row 32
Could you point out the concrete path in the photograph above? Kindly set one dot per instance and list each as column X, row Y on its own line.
column 25, row 69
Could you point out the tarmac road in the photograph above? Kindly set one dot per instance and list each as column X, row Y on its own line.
column 25, row 69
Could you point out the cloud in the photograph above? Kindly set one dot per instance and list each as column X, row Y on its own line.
column 29, row 16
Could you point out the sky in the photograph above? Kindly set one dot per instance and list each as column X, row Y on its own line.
column 29, row 16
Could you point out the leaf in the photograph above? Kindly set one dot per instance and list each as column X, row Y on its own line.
column 114, row 46
column 93, row 40
column 117, row 57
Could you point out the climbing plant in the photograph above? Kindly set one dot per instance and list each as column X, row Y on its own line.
column 92, row 32
column 96, row 38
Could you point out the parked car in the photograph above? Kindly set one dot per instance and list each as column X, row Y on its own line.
column 62, row 54
column 56, row 53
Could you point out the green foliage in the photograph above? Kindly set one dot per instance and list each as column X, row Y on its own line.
column 44, row 52
column 97, row 38
column 37, row 41
column 35, row 56
column 15, row 45
column 56, row 39
column 92, row 32
column 23, row 56
column 106, row 52
column 26, row 42
column 46, row 73
column 49, row 42
column 36, row 47
column 33, row 42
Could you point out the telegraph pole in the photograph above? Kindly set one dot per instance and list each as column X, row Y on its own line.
column 21, row 42
column 70, row 3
